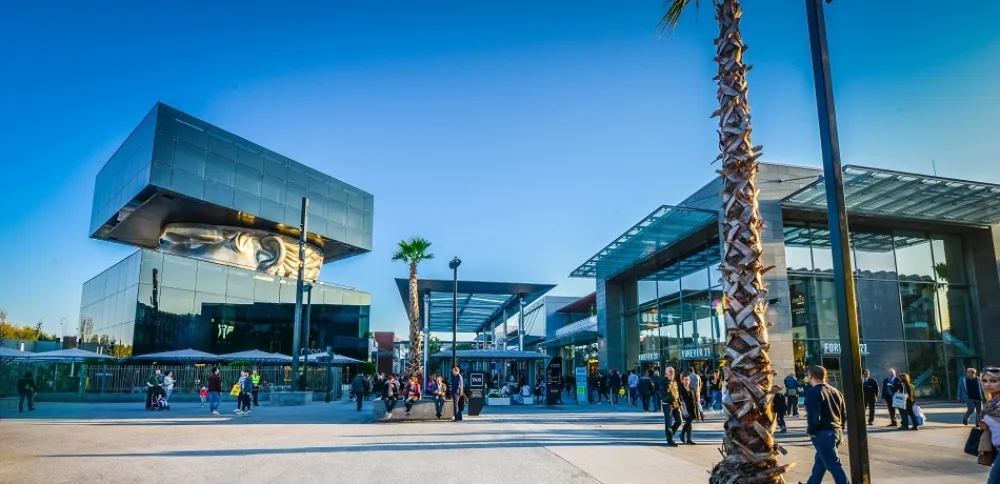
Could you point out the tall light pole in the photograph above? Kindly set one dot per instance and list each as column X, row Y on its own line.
column 427, row 333
column 306, row 327
column 453, row 265
column 843, row 273
column 297, row 324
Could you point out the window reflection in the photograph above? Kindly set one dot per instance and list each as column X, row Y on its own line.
column 919, row 303
column 913, row 257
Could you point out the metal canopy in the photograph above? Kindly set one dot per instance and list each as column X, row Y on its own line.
column 667, row 225
column 492, row 355
column 800, row 236
column 711, row 255
column 479, row 303
column 885, row 193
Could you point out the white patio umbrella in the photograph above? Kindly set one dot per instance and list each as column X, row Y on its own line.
column 69, row 354
column 188, row 355
column 337, row 359
column 10, row 354
column 255, row 356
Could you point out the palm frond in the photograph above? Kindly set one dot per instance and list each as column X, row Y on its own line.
column 413, row 250
column 674, row 10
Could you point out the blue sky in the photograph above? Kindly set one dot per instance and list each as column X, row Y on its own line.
column 521, row 138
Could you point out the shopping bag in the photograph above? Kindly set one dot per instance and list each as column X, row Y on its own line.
column 899, row 400
column 919, row 413
column 972, row 442
column 235, row 392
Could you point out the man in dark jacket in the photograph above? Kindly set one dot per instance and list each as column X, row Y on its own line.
column 890, row 386
column 214, row 391
column 870, row 387
column 457, row 393
column 645, row 388
column 154, row 385
column 792, row 389
column 615, row 382
column 826, row 414
column 358, row 387
column 26, row 391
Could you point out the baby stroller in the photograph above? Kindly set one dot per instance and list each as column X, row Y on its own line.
column 160, row 402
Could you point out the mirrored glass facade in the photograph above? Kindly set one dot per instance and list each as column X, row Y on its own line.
column 152, row 302
column 914, row 304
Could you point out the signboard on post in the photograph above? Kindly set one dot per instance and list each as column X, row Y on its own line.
column 554, row 382
column 477, row 393
column 581, row 385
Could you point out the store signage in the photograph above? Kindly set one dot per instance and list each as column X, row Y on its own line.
column 832, row 348
column 581, row 385
column 649, row 357
column 700, row 353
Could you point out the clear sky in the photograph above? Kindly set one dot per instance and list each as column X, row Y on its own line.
column 521, row 137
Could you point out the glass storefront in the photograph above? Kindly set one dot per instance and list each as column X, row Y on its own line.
column 153, row 302
column 914, row 304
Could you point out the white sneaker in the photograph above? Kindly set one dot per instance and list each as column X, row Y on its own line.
column 237, row 411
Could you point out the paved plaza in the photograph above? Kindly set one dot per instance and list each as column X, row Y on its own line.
column 122, row 443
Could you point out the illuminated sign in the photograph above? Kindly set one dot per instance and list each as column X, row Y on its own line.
column 699, row 353
column 832, row 348
column 649, row 357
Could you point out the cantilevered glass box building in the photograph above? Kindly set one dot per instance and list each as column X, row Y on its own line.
column 216, row 220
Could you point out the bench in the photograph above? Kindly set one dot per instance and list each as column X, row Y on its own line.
column 422, row 410
column 290, row 399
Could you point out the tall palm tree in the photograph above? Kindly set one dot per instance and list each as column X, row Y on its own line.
column 748, row 446
column 413, row 252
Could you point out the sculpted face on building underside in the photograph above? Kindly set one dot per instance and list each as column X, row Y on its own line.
column 252, row 249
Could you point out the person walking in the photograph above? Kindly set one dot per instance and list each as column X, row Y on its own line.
column 826, row 415
column 908, row 415
column 991, row 416
column 792, row 389
column 602, row 388
column 412, row 394
column 26, row 391
column 438, row 390
column 780, row 406
column 696, row 394
column 717, row 383
column 214, row 391
column 890, row 386
column 870, row 388
column 457, row 393
column 689, row 407
column 168, row 384
column 358, row 387
column 671, row 406
column 633, row 387
column 154, row 385
column 970, row 392
column 255, row 379
column 246, row 388
column 390, row 394
column 645, row 388
column 615, row 382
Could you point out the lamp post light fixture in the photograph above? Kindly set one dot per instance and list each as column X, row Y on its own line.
column 306, row 323
column 453, row 265
column 297, row 324
column 845, row 297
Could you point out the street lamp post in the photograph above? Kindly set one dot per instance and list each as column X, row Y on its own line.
column 306, row 324
column 843, row 273
column 297, row 324
column 453, row 265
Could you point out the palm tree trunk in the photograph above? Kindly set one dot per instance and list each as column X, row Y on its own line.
column 749, row 446
column 415, row 365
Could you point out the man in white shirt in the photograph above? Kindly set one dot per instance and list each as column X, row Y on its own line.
column 633, row 387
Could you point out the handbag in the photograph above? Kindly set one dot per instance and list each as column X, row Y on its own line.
column 972, row 442
column 987, row 452
column 235, row 392
column 899, row 400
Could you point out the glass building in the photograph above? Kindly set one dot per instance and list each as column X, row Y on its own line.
column 925, row 252
column 216, row 219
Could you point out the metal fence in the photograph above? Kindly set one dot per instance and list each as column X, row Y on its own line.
column 108, row 379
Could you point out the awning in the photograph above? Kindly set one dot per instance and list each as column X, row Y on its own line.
column 321, row 357
column 711, row 255
column 884, row 193
column 492, row 355
column 70, row 354
column 666, row 226
column 10, row 354
column 479, row 303
column 255, row 356
column 580, row 332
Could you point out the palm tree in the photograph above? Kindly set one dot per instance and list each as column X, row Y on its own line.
column 413, row 252
column 748, row 446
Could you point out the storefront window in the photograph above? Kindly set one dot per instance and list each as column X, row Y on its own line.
column 956, row 315
column 873, row 256
column 949, row 259
column 878, row 310
column 913, row 257
column 919, row 302
column 927, row 369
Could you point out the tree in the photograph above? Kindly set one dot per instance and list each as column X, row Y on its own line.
column 24, row 332
column 433, row 345
column 413, row 252
column 86, row 328
column 748, row 445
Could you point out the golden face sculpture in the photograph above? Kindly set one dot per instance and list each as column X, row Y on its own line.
column 253, row 249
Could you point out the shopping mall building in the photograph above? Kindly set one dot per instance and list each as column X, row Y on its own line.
column 215, row 222
column 925, row 252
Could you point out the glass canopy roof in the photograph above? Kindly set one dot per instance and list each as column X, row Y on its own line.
column 885, row 193
column 711, row 255
column 665, row 226
column 798, row 236
column 480, row 304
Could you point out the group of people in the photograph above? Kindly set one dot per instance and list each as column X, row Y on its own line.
column 160, row 386
column 392, row 389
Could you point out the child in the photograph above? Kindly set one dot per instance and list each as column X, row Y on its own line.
column 780, row 403
column 203, row 393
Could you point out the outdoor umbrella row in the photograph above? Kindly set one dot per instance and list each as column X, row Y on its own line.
column 188, row 355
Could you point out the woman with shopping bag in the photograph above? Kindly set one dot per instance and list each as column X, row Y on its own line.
column 989, row 425
column 907, row 397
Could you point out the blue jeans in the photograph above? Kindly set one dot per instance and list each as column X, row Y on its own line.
column 827, row 459
column 716, row 400
column 214, row 400
column 994, row 477
column 438, row 404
